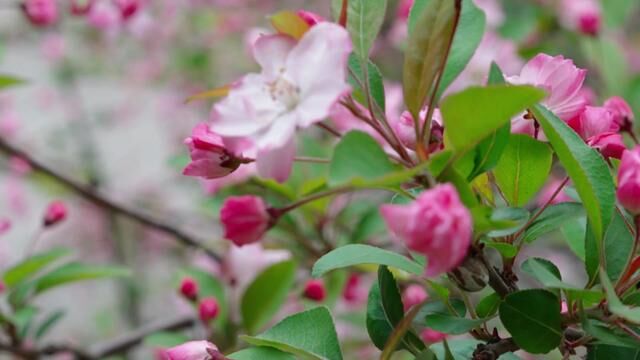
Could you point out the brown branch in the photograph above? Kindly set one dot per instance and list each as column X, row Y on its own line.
column 492, row 351
column 89, row 194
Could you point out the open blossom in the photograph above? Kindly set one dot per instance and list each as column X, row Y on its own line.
column 192, row 350
column 629, row 181
column 436, row 224
column 245, row 219
column 209, row 157
column 297, row 87
column 562, row 81
column 584, row 16
column 41, row 12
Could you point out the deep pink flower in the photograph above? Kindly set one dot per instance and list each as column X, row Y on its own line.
column 309, row 17
column 622, row 113
column 40, row 12
column 562, row 81
column 629, row 181
column 431, row 336
column 245, row 219
column 209, row 157
column 292, row 92
column 354, row 293
column 584, row 16
column 404, row 9
column 81, row 7
column 208, row 309
column 128, row 8
column 55, row 213
column 593, row 121
column 192, row 350
column 189, row 288
column 413, row 295
column 436, row 224
column 315, row 290
column 610, row 145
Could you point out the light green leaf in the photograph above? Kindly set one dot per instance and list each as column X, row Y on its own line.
column 532, row 317
column 357, row 254
column 488, row 305
column 549, row 276
column 32, row 265
column 552, row 218
column 310, row 335
column 48, row 323
column 266, row 294
column 585, row 167
column 358, row 156
column 74, row 272
column 261, row 353
column 574, row 234
column 472, row 115
column 616, row 306
column 364, row 19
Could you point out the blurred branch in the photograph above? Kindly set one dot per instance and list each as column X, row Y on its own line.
column 89, row 194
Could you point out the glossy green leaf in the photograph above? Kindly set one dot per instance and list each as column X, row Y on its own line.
column 266, row 294
column 488, row 306
column 74, row 272
column 552, row 218
column 364, row 19
column 375, row 82
column 358, row 156
column 427, row 50
column 453, row 325
column 532, row 317
column 357, row 254
column 261, row 353
column 574, row 234
column 617, row 245
column 616, row 306
column 472, row 115
column 607, row 336
column 510, row 220
column 548, row 275
column 523, row 168
column 307, row 335
column 32, row 265
column 586, row 168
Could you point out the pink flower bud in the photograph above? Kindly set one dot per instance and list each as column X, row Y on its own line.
column 314, row 290
column 245, row 219
column 208, row 309
column 209, row 157
column 431, row 336
column 352, row 291
column 81, row 7
column 404, row 9
column 128, row 8
column 309, row 17
column 436, row 224
column 609, row 144
column 622, row 113
column 55, row 213
column 404, row 127
column 40, row 12
column 584, row 16
column 189, row 288
column 589, row 23
column 192, row 350
column 5, row 226
column 413, row 295
column 629, row 181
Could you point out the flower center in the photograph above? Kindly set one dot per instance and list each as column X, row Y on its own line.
column 284, row 92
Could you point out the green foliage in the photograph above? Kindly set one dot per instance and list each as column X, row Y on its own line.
column 552, row 218
column 308, row 335
column 358, row 156
column 266, row 294
column 364, row 19
column 32, row 265
column 356, row 254
column 488, row 306
column 7, row 81
column 617, row 245
column 358, row 79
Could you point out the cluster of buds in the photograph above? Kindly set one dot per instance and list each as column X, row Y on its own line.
column 208, row 307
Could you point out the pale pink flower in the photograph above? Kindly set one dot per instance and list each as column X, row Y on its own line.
column 584, row 16
column 242, row 264
column 53, row 47
column 492, row 10
column 245, row 219
column 629, row 181
column 19, row 166
column 293, row 91
column 192, row 350
column 404, row 127
column 562, row 81
column 104, row 15
column 40, row 12
column 413, row 295
column 431, row 336
column 209, row 157
column 436, row 225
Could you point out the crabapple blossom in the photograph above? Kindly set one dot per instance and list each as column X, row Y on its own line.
column 562, row 81
column 622, row 113
column 309, row 17
column 436, row 224
column 245, row 219
column 40, row 12
column 628, row 193
column 609, row 144
column 210, row 158
column 584, row 16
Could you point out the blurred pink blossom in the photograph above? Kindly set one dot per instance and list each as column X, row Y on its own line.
column 629, row 181
column 5, row 225
column 53, row 47
column 584, row 16
column 192, row 350
column 414, row 294
column 547, row 192
column 40, row 12
column 104, row 15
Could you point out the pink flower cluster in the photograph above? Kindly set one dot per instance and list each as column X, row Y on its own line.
column 102, row 14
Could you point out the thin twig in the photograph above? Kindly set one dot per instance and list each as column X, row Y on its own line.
column 89, row 194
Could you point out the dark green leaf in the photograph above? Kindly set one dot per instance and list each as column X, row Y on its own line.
column 549, row 276
column 453, row 325
column 552, row 218
column 375, row 82
column 606, row 352
column 533, row 319
column 618, row 242
column 488, row 305
column 574, row 232
column 266, row 294
column 358, row 156
column 356, row 254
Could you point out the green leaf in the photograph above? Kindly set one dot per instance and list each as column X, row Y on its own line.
column 375, row 82
column 574, row 234
column 607, row 336
column 261, row 353
column 533, row 319
column 472, row 115
column 164, row 339
column 32, row 265
column 552, row 218
column 585, row 167
column 523, row 168
column 48, row 323
column 357, row 254
column 488, row 305
column 22, row 320
column 507, row 250
column 548, row 275
column 9, row 81
column 308, row 335
column 358, row 156
column 266, row 294
column 615, row 305
column 606, row 352
column 509, row 220
column 427, row 50
column 453, row 325
column 364, row 19
column 74, row 272
column 618, row 242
